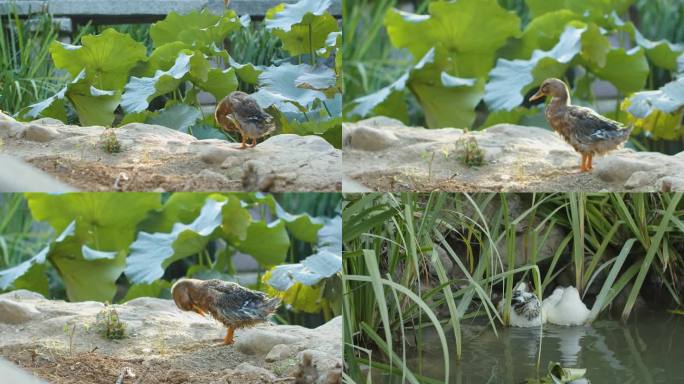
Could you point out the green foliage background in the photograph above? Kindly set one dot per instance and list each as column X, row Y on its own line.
column 116, row 247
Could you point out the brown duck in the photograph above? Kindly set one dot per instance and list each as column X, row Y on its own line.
column 585, row 130
column 239, row 112
column 231, row 304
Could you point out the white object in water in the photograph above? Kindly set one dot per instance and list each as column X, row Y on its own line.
column 526, row 310
column 564, row 307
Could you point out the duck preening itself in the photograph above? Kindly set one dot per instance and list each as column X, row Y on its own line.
column 239, row 112
column 231, row 304
column 585, row 130
column 526, row 310
column 565, row 307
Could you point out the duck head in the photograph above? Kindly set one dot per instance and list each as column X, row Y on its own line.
column 551, row 87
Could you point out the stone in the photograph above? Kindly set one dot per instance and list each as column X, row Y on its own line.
column 31, row 180
column 40, row 133
column 11, row 129
column 385, row 155
column 259, row 341
column 14, row 312
column 157, row 158
column 372, row 139
column 281, row 351
column 670, row 183
column 249, row 369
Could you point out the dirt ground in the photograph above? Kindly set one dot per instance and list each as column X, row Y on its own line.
column 194, row 363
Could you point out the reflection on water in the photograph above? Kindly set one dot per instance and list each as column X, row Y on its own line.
column 649, row 349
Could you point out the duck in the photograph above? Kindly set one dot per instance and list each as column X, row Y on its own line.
column 565, row 307
column 229, row 303
column 586, row 131
column 526, row 310
column 239, row 112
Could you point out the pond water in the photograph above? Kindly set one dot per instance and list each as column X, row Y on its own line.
column 648, row 349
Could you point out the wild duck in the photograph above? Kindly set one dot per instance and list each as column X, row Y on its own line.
column 564, row 307
column 239, row 112
column 229, row 303
column 585, row 130
column 526, row 310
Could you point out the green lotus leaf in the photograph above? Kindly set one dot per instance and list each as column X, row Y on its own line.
column 449, row 102
column 93, row 106
column 220, row 82
column 179, row 117
column 595, row 46
column 285, row 16
column 594, row 10
column 450, row 29
column 107, row 58
column 151, row 253
column 668, row 99
column 266, row 242
column 236, row 219
column 321, row 78
column 154, row 289
column 388, row 101
column 198, row 28
column 279, row 88
column 511, row 79
column 309, row 35
column 310, row 271
column 248, row 73
column 54, row 106
column 542, row 33
column 662, row 53
column 181, row 207
column 140, row 90
column 627, row 70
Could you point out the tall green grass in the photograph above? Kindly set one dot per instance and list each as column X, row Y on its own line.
column 408, row 257
column 27, row 74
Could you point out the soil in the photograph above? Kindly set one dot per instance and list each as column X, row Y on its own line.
column 191, row 363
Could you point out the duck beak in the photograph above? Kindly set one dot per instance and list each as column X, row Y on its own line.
column 537, row 95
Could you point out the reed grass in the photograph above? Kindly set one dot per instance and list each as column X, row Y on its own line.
column 409, row 257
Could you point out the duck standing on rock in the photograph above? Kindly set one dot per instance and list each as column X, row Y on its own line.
column 239, row 112
column 231, row 304
column 585, row 130
column 526, row 310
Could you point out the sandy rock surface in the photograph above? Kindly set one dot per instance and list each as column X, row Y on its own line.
column 163, row 345
column 156, row 158
column 384, row 155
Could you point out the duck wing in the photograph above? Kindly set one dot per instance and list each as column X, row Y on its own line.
column 590, row 128
column 237, row 304
column 248, row 110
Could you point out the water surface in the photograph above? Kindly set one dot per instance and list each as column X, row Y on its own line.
column 648, row 349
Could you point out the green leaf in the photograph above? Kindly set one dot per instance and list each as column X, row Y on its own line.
column 448, row 102
column 320, row 78
column 93, row 106
column 248, row 73
column 141, row 90
column 628, row 71
column 154, row 289
column 107, row 58
column 595, row 46
column 668, row 99
column 307, row 36
column 198, row 28
column 220, row 82
column 543, row 32
column 310, row 271
column 511, row 79
column 54, row 106
column 178, row 117
column 151, row 253
column 302, row 226
column 236, row 219
column 595, row 10
column 180, row 207
column 388, row 101
column 286, row 16
column 278, row 87
column 267, row 243
column 449, row 28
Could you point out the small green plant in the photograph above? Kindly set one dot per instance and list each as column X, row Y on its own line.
column 473, row 155
column 70, row 331
column 109, row 325
column 109, row 142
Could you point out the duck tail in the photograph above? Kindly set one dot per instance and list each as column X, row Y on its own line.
column 269, row 305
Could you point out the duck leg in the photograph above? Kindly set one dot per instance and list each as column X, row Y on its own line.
column 198, row 310
column 590, row 158
column 244, row 142
column 228, row 340
column 254, row 142
column 583, row 163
